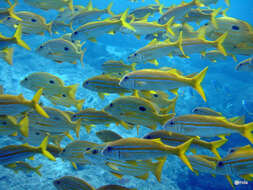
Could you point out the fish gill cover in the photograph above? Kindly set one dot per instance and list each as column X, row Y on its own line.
column 101, row 94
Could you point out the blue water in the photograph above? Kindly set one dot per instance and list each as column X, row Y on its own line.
column 224, row 87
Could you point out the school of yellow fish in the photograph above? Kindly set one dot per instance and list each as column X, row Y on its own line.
column 143, row 101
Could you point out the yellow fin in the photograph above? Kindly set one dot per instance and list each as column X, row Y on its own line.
column 144, row 176
column 116, row 175
column 24, row 126
column 43, row 147
column 123, row 21
column 17, row 38
column 101, row 95
column 74, row 165
column 35, row 102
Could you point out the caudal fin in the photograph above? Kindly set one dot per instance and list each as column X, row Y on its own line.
column 17, row 37
column 168, row 26
column 79, row 104
column 35, row 103
column 157, row 170
column 196, row 83
column 219, row 43
column 43, row 148
column 8, row 55
column 123, row 21
column 72, row 90
column 108, row 9
column 181, row 149
column 37, row 170
column 217, row 144
column 247, row 131
column 24, row 126
column 12, row 14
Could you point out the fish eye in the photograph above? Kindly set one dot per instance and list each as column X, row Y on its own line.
column 156, row 95
column 58, row 182
column 220, row 163
column 111, row 105
column 66, row 48
column 206, row 24
column 142, row 108
column 232, row 150
column 51, row 82
column 76, row 9
column 95, row 151
column 109, row 148
column 26, row 79
column 8, row 18
column 135, row 54
column 64, row 150
column 37, row 133
column 4, row 123
column 126, row 78
column 87, row 149
column 63, row 95
column 75, row 33
column 73, row 41
column 41, row 47
column 172, row 122
column 148, row 137
column 234, row 27
column 34, row 20
column 74, row 116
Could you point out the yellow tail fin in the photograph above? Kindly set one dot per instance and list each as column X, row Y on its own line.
column 72, row 90
column 196, row 81
column 37, row 170
column 35, row 103
column 8, row 55
column 123, row 21
column 168, row 26
column 213, row 17
column 179, row 42
column 89, row 6
column 12, row 14
column 70, row 5
column 49, row 27
column 219, row 43
column 217, row 144
column 79, row 105
column 43, row 148
column 182, row 148
column 109, row 11
column 158, row 168
column 18, row 40
column 198, row 3
column 227, row 2
column 247, row 131
column 133, row 65
column 24, row 126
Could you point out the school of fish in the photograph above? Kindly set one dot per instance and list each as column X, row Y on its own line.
column 146, row 97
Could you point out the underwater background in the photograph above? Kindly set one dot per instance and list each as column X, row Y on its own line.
column 224, row 87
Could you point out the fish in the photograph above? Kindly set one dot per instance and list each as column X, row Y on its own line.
column 50, row 4
column 66, row 101
column 66, row 14
column 58, row 122
column 205, row 111
column 59, row 27
column 103, row 84
column 70, row 182
column 237, row 163
column 114, row 66
column 199, row 15
column 207, row 126
column 61, row 50
column 163, row 80
column 74, row 152
column 37, row 135
column 143, row 27
column 13, row 105
column 245, row 65
column 10, row 126
column 209, row 2
column 15, row 39
column 178, row 12
column 161, row 99
column 1, row 89
column 174, row 139
column 138, row 111
column 114, row 187
column 108, row 136
column 32, row 23
column 90, row 14
column 139, row 169
column 51, row 84
column 203, row 163
column 142, row 149
column 12, row 153
column 217, row 56
column 54, row 150
column 7, row 55
column 90, row 117
column 95, row 29
column 24, row 167
column 150, row 9
column 4, row 12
